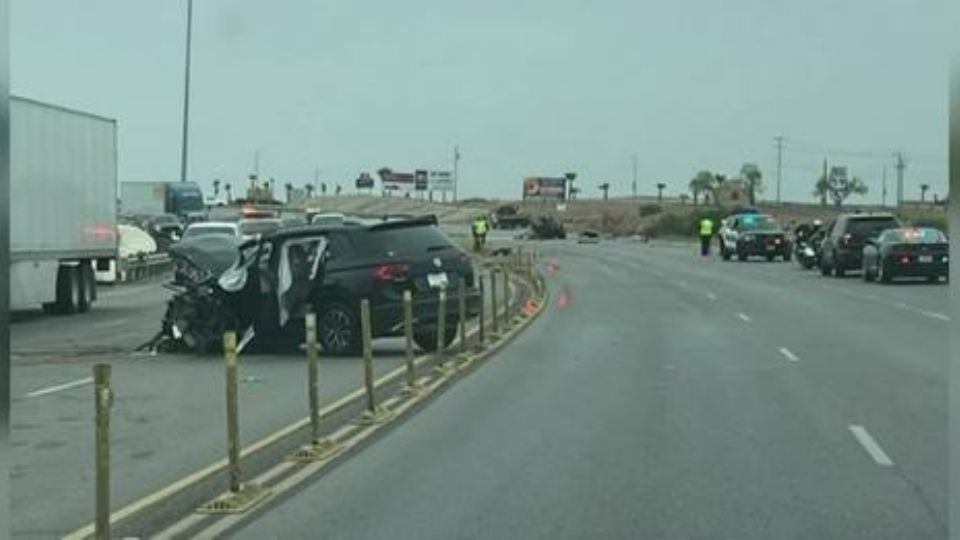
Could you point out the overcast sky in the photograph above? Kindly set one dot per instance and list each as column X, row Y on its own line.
column 525, row 87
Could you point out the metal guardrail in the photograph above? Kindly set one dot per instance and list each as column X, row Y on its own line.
column 139, row 268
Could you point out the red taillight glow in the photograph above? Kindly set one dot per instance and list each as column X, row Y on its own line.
column 390, row 272
column 904, row 259
column 845, row 239
column 776, row 240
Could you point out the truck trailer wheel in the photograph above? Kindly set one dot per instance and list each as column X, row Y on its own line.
column 88, row 287
column 69, row 290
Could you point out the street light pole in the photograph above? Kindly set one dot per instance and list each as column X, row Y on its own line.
column 456, row 176
column 186, row 96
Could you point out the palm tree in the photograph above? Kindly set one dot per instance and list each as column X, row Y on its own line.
column 701, row 183
column 751, row 173
column 216, row 188
column 660, row 187
column 822, row 189
column 288, row 187
column 309, row 188
column 923, row 192
column 323, row 188
column 338, row 189
column 605, row 188
column 229, row 189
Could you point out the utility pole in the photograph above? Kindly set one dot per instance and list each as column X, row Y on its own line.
column 779, row 140
column 634, row 160
column 823, row 197
column 186, row 96
column 883, row 180
column 456, row 177
column 900, row 167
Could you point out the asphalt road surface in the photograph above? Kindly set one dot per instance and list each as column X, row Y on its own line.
column 666, row 396
column 168, row 413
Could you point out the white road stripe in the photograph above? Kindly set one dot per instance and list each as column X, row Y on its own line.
column 790, row 356
column 901, row 305
column 743, row 317
column 60, row 387
column 108, row 324
column 711, row 296
column 870, row 445
column 938, row 316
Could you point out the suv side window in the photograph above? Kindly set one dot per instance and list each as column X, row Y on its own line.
column 339, row 248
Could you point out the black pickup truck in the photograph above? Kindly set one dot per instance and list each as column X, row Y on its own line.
column 509, row 217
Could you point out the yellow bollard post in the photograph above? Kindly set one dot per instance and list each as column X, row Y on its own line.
column 233, row 424
column 462, row 319
column 441, row 354
column 373, row 414
column 103, row 400
column 239, row 497
column 320, row 447
column 506, row 299
column 493, row 303
column 481, row 331
column 410, row 384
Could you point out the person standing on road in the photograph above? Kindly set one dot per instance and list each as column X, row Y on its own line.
column 479, row 232
column 706, row 234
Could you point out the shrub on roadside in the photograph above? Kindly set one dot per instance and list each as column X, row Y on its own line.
column 650, row 210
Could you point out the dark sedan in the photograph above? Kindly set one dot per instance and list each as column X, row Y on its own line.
column 906, row 252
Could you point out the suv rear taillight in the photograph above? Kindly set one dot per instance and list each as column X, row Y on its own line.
column 845, row 239
column 390, row 272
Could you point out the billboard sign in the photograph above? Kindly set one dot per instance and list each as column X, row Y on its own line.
column 421, row 182
column 440, row 180
column 395, row 181
column 544, row 187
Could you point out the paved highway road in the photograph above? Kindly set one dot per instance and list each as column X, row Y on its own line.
column 168, row 417
column 670, row 397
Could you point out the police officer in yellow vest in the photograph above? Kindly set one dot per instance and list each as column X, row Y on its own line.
column 479, row 232
column 706, row 234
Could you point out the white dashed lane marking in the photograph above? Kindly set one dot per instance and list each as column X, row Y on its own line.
column 790, row 356
column 871, row 445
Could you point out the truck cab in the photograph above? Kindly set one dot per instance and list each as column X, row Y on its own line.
column 185, row 200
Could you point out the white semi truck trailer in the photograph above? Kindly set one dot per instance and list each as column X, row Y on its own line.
column 63, row 205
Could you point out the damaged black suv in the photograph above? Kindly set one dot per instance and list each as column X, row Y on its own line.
column 378, row 260
column 263, row 288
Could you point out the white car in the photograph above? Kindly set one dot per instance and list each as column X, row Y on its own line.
column 253, row 228
column 328, row 218
column 242, row 230
column 212, row 227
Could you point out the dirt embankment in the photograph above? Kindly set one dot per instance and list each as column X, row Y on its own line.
column 619, row 217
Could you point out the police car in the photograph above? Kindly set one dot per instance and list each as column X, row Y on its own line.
column 752, row 235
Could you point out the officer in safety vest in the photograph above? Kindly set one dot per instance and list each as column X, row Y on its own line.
column 479, row 232
column 706, row 234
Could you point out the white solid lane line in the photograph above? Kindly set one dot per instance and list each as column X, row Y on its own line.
column 743, row 317
column 60, row 387
column 936, row 315
column 711, row 296
column 790, row 356
column 870, row 445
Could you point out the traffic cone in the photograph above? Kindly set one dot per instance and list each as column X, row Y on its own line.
column 530, row 307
